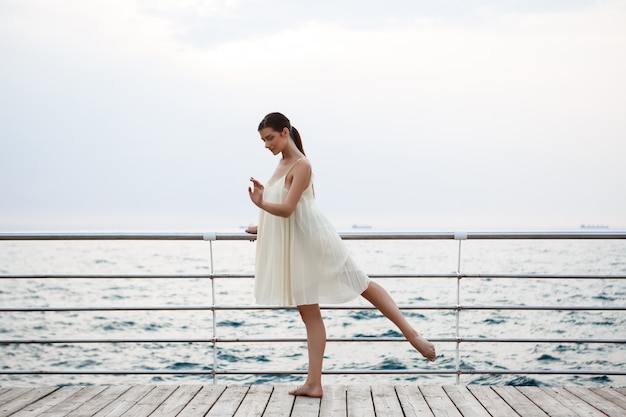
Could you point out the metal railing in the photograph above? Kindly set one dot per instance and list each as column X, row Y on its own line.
column 215, row 307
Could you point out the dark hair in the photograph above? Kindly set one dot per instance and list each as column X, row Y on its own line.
column 278, row 122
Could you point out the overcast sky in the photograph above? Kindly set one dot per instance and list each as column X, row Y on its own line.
column 456, row 114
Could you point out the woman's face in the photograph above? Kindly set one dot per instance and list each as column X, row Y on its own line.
column 274, row 141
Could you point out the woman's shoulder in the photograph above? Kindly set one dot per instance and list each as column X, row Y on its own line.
column 301, row 167
column 305, row 161
column 302, row 164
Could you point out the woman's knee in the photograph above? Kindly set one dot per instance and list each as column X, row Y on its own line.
column 310, row 312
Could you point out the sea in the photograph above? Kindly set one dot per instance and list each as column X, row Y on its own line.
column 197, row 259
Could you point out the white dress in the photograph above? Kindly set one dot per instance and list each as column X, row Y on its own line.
column 301, row 259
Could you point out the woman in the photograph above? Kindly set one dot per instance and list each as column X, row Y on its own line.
column 301, row 259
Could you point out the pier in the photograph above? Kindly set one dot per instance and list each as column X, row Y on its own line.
column 338, row 400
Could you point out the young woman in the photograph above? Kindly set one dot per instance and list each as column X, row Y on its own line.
column 301, row 259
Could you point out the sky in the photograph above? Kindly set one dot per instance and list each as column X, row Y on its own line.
column 141, row 115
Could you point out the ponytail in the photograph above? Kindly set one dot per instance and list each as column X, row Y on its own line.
column 295, row 135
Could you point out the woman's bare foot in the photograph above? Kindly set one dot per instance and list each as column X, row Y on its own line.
column 308, row 390
column 423, row 346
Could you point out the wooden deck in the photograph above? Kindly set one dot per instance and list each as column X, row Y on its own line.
column 273, row 400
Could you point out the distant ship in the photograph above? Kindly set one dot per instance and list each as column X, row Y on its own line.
column 594, row 226
column 361, row 226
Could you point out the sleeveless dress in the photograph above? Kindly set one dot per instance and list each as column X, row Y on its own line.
column 301, row 259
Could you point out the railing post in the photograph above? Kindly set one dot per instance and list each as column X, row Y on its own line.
column 460, row 236
column 211, row 237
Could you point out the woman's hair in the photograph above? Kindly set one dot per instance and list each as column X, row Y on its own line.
column 278, row 122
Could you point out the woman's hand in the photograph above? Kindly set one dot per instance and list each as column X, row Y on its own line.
column 256, row 192
column 252, row 229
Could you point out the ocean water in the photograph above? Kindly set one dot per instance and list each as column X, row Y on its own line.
column 607, row 257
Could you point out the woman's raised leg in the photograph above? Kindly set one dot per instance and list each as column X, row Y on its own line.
column 381, row 299
column 316, row 343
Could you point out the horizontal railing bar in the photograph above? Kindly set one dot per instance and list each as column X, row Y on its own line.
column 299, row 340
column 338, row 307
column 122, row 276
column 546, row 372
column 126, row 236
column 195, row 276
column 191, row 276
column 484, row 235
column 248, row 276
column 202, row 308
column 442, row 372
column 548, row 308
column 604, row 234
column 221, row 372
column 207, row 372
column 615, row 372
column 541, row 276
column 537, row 340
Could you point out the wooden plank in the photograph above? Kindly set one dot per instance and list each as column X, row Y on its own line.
column 491, row 401
column 280, row 403
column 440, row 404
column 412, row 401
column 386, row 402
column 519, row 402
column 203, row 401
column 21, row 398
column 255, row 401
column 98, row 402
column 150, row 402
column 333, row 402
column 359, row 401
column 612, row 395
column 72, row 402
column 229, row 401
column 177, row 401
column 306, row 406
column 606, row 406
column 547, row 401
column 465, row 401
column 578, row 406
column 47, row 402
column 125, row 401
column 12, row 393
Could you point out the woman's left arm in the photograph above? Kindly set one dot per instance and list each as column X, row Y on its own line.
column 300, row 177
